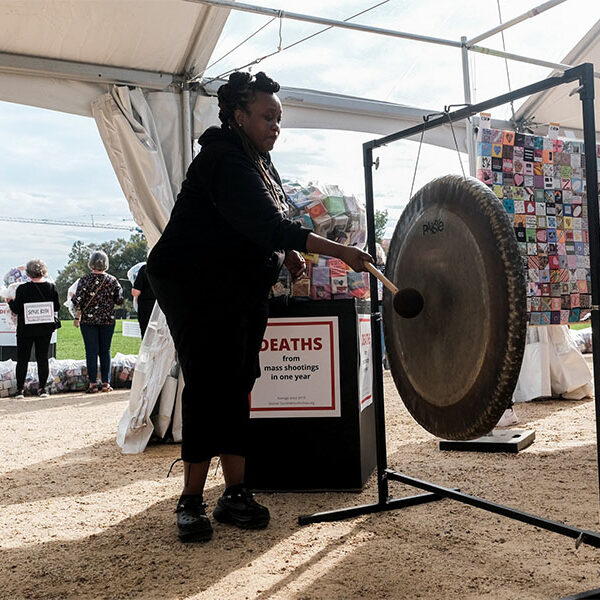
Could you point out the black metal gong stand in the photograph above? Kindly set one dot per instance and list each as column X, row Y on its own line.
column 584, row 75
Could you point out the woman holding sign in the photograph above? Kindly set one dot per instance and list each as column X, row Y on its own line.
column 34, row 304
column 228, row 236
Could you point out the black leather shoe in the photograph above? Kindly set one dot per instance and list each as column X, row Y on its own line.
column 192, row 522
column 238, row 507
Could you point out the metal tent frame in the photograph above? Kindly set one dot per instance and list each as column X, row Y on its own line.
column 584, row 75
column 465, row 45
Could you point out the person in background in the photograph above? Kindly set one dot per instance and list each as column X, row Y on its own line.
column 230, row 230
column 145, row 298
column 95, row 298
column 33, row 334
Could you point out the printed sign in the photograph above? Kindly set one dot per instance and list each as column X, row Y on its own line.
column 485, row 122
column 365, row 364
column 300, row 372
column 8, row 327
column 131, row 329
column 553, row 129
column 38, row 312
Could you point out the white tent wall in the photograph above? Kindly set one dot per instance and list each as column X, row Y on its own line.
column 134, row 146
column 64, row 95
column 131, row 139
column 167, row 108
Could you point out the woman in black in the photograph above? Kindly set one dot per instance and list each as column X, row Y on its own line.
column 211, row 272
column 145, row 298
column 30, row 334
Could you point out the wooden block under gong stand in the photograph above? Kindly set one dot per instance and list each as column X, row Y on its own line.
column 498, row 440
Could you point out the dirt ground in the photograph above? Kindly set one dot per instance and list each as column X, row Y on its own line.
column 80, row 520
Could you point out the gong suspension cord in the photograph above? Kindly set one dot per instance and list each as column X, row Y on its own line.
column 512, row 106
column 447, row 113
column 412, row 185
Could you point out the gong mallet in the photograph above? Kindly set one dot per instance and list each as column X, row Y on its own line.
column 408, row 302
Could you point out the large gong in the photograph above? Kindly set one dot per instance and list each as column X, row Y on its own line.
column 457, row 362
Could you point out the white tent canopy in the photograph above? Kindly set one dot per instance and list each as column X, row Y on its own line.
column 559, row 105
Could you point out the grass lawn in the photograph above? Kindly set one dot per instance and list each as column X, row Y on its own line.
column 70, row 342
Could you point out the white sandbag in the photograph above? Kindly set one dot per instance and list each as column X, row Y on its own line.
column 534, row 378
column 582, row 339
column 585, row 391
column 133, row 272
column 69, row 301
column 8, row 382
column 155, row 357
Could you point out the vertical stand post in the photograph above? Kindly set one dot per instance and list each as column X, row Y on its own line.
column 586, row 94
column 380, row 442
column 467, row 92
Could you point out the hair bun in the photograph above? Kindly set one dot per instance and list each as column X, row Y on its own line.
column 265, row 84
column 239, row 79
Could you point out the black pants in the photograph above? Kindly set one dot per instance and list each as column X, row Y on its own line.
column 217, row 347
column 144, row 311
column 24, row 346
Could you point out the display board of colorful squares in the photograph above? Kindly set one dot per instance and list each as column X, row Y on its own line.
column 541, row 182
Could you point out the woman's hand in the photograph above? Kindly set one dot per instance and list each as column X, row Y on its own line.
column 355, row 258
column 295, row 264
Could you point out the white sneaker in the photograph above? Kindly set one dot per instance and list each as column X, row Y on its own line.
column 19, row 396
column 508, row 418
column 44, row 394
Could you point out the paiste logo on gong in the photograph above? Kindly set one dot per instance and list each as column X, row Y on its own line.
column 433, row 227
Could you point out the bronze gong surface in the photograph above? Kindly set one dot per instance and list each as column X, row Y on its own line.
column 456, row 364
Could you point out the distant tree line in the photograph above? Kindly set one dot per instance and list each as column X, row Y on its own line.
column 122, row 255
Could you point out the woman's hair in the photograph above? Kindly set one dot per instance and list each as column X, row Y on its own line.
column 36, row 268
column 98, row 261
column 239, row 92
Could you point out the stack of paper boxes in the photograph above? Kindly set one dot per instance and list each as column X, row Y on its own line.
column 331, row 214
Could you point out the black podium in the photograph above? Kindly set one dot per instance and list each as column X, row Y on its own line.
column 333, row 453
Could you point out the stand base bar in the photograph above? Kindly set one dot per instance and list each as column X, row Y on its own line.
column 581, row 535
column 588, row 595
column 366, row 509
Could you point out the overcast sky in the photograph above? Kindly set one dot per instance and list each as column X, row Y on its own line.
column 53, row 165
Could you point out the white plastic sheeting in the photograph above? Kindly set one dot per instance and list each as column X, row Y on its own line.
column 134, row 145
column 155, row 360
column 129, row 133
column 552, row 366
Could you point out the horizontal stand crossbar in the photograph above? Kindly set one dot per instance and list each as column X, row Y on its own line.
column 366, row 509
column 581, row 535
column 468, row 111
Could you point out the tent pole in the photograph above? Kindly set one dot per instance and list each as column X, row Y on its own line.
column 186, row 119
column 525, row 59
column 284, row 14
column 530, row 13
column 467, row 88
